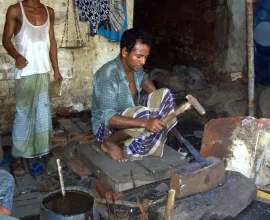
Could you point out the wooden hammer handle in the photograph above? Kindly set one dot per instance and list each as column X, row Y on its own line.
column 170, row 204
column 177, row 112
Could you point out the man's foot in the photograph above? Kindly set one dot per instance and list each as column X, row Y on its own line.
column 17, row 167
column 114, row 151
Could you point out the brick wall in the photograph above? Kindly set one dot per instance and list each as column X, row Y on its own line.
column 183, row 31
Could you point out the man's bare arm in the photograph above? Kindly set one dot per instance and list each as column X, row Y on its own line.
column 53, row 49
column 122, row 122
column 9, row 30
column 148, row 86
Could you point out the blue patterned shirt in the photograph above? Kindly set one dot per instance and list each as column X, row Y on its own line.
column 111, row 93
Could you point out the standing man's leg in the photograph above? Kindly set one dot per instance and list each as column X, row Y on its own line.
column 32, row 125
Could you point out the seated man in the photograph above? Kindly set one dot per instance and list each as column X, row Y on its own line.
column 119, row 113
column 6, row 194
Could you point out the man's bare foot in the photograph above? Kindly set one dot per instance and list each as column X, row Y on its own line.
column 114, row 151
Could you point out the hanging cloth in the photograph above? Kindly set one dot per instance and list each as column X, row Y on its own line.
column 94, row 11
column 117, row 24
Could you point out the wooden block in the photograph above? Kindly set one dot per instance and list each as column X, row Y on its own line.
column 170, row 159
column 69, row 126
column 27, row 204
column 116, row 175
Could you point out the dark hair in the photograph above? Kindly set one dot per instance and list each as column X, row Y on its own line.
column 131, row 36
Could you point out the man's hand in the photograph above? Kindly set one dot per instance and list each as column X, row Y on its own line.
column 21, row 62
column 154, row 125
column 4, row 211
column 58, row 78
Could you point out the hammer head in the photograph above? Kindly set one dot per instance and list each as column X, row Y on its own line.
column 194, row 102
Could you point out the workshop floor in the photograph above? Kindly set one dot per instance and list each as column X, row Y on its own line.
column 29, row 189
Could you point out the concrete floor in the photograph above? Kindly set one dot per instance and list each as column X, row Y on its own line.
column 26, row 207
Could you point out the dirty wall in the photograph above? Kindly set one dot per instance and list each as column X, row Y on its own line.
column 206, row 34
column 77, row 66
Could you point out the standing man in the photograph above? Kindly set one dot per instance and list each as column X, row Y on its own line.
column 118, row 112
column 31, row 24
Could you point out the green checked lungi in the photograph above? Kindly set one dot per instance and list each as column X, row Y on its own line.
column 33, row 124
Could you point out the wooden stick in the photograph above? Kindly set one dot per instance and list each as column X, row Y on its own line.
column 114, row 205
column 107, row 204
column 57, row 140
column 170, row 204
column 136, row 193
column 65, row 140
column 117, row 202
column 250, row 58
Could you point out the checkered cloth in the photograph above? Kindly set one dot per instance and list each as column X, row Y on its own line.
column 95, row 11
column 33, row 123
column 6, row 189
column 158, row 104
column 8, row 218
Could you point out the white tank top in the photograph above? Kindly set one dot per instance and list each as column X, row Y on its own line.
column 33, row 42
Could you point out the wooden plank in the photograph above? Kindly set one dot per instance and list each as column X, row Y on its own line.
column 24, row 181
column 115, row 170
column 78, row 164
column 27, row 204
column 116, row 175
column 69, row 126
column 81, row 124
column 170, row 160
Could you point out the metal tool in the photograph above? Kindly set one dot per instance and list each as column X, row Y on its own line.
column 200, row 176
column 61, row 177
column 189, row 146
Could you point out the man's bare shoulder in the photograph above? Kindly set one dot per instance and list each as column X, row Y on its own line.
column 51, row 11
column 13, row 11
column 15, row 7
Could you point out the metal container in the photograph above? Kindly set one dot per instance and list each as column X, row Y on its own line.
column 78, row 205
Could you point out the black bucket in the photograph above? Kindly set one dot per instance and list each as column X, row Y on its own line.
column 78, row 205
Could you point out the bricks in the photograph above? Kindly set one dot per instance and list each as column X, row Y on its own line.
column 185, row 26
column 198, row 177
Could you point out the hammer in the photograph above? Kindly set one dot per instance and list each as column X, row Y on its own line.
column 196, row 177
column 191, row 101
